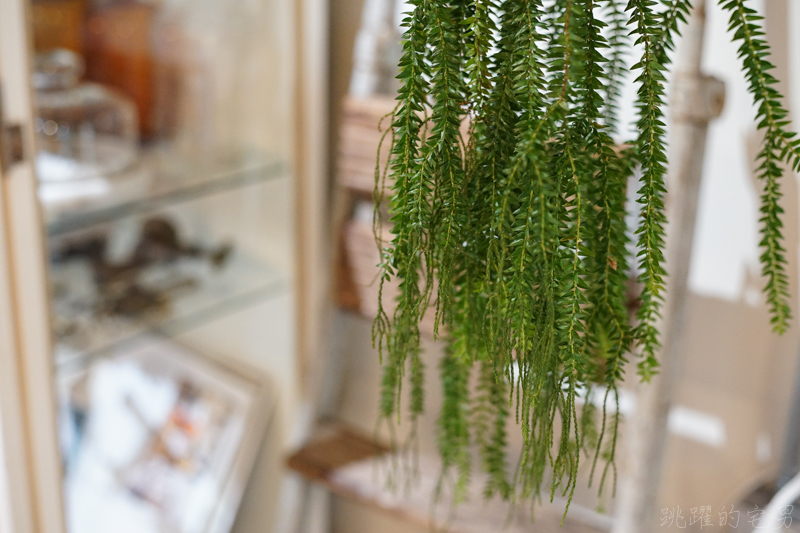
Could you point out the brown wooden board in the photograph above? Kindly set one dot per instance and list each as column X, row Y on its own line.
column 333, row 447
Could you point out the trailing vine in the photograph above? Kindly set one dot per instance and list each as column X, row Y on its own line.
column 514, row 236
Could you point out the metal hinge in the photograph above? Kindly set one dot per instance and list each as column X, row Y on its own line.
column 13, row 150
column 12, row 147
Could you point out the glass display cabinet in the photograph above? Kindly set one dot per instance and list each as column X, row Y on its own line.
column 163, row 171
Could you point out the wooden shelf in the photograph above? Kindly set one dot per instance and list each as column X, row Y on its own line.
column 356, row 468
column 334, row 446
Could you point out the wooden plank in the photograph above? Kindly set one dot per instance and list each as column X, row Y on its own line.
column 333, row 447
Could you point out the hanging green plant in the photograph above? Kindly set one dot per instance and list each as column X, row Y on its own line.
column 515, row 234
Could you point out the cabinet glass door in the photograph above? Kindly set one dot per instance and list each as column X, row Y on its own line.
column 162, row 162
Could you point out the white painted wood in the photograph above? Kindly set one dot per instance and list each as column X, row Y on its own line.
column 772, row 519
column 27, row 396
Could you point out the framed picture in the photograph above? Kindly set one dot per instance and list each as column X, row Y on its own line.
column 159, row 439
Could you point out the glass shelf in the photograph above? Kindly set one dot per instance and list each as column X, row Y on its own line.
column 83, row 332
column 156, row 182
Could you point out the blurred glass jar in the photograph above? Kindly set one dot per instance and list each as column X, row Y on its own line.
column 84, row 130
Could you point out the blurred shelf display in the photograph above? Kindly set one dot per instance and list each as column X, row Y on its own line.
column 161, row 435
column 164, row 285
column 157, row 203
column 158, row 181
column 165, row 205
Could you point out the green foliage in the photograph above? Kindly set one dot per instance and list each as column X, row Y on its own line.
column 515, row 237
column 779, row 146
column 650, row 154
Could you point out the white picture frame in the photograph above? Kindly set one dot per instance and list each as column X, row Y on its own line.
column 157, row 438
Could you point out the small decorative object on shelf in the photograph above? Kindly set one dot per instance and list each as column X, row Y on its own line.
column 363, row 257
column 119, row 285
column 517, row 236
column 85, row 130
column 103, row 295
column 363, row 126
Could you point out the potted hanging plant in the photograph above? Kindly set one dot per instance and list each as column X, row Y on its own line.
column 515, row 234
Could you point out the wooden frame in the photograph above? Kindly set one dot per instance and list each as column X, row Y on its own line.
column 27, row 396
column 313, row 234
